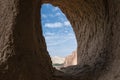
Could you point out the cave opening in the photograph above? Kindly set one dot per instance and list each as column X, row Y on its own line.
column 59, row 36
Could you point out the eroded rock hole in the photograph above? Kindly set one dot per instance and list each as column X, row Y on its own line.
column 59, row 36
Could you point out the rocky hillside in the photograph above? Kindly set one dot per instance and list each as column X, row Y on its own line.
column 71, row 59
column 67, row 61
column 57, row 60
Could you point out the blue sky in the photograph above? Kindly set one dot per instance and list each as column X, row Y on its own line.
column 57, row 31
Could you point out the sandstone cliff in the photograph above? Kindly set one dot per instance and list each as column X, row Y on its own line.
column 71, row 59
column 57, row 60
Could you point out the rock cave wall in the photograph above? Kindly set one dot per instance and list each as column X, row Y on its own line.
column 96, row 25
column 23, row 53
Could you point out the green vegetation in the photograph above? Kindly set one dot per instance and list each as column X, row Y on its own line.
column 57, row 64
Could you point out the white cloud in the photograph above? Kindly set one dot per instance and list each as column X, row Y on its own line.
column 51, row 15
column 44, row 16
column 67, row 23
column 54, row 25
column 66, row 31
column 55, row 9
column 58, row 14
column 47, row 5
column 62, row 19
column 58, row 24
column 56, row 39
column 49, row 34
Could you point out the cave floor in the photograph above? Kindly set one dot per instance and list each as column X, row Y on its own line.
column 59, row 75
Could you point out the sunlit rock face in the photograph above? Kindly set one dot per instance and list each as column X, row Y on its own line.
column 57, row 62
column 71, row 59
column 23, row 54
column 57, row 59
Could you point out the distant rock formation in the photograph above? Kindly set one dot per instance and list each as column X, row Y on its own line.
column 57, row 60
column 71, row 59
column 64, row 62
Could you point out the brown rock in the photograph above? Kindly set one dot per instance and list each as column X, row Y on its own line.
column 23, row 53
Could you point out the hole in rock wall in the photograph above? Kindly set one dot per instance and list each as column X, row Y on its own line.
column 59, row 36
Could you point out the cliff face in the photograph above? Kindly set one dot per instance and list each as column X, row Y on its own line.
column 57, row 60
column 23, row 53
column 71, row 59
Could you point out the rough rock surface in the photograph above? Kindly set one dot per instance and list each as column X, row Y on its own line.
column 71, row 59
column 23, row 53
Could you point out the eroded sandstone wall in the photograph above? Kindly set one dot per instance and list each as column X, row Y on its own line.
column 97, row 28
column 71, row 59
column 23, row 54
